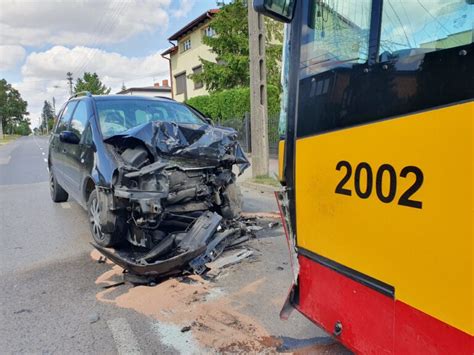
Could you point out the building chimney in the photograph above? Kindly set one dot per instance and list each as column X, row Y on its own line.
column 156, row 85
column 166, row 83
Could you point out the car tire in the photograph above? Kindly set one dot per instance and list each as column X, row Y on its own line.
column 232, row 207
column 101, row 238
column 58, row 194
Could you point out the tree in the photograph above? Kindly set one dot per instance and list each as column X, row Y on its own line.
column 13, row 110
column 230, row 44
column 91, row 82
column 47, row 116
column 23, row 128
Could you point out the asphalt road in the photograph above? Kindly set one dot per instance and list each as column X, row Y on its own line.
column 53, row 299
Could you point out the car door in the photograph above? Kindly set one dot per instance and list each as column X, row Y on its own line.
column 58, row 149
column 80, row 156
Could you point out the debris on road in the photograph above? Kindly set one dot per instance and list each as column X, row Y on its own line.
column 24, row 310
column 185, row 329
column 93, row 318
column 191, row 309
column 273, row 224
column 261, row 215
column 230, row 259
column 175, row 197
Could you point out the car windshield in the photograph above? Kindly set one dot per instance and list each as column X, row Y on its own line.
column 117, row 116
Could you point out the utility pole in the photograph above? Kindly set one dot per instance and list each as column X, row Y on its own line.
column 69, row 79
column 258, row 93
column 1, row 127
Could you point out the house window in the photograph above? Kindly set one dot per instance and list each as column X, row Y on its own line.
column 180, row 83
column 209, row 32
column 198, row 84
column 186, row 45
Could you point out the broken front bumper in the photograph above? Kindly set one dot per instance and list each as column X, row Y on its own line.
column 194, row 248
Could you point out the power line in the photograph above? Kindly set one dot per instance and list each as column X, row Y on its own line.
column 107, row 28
column 98, row 30
column 434, row 18
column 401, row 24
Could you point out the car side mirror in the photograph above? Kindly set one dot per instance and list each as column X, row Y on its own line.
column 69, row 137
column 208, row 120
column 280, row 10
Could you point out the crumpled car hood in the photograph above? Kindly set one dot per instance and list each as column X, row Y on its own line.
column 175, row 200
column 205, row 143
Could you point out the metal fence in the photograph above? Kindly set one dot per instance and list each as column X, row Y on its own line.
column 242, row 126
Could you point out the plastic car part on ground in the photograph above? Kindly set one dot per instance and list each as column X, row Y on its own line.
column 174, row 198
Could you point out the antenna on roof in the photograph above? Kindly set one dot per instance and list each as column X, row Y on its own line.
column 81, row 93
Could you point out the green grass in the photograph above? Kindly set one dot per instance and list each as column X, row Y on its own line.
column 266, row 180
column 7, row 138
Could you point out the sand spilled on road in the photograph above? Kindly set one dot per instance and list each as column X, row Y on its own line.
column 215, row 318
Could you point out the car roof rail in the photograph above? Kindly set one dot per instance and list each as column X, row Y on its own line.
column 81, row 93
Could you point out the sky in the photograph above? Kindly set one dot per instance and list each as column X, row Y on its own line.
column 120, row 40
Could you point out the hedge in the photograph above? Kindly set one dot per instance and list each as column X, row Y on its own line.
column 233, row 103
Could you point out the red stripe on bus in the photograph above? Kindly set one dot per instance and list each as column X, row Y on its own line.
column 372, row 323
column 418, row 333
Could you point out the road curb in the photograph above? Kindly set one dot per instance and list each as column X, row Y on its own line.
column 260, row 187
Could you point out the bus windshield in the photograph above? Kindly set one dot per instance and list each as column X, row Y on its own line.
column 424, row 26
column 336, row 33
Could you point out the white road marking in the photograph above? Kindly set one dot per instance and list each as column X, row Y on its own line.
column 43, row 153
column 45, row 160
column 125, row 340
column 66, row 205
column 41, row 149
column 5, row 161
column 171, row 336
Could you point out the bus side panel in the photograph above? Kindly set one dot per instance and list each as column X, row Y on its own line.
column 328, row 297
column 373, row 323
column 418, row 333
column 281, row 160
column 393, row 200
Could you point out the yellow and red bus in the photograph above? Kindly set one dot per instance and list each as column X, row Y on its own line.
column 378, row 170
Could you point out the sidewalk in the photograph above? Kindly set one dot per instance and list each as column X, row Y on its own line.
column 258, row 197
column 272, row 167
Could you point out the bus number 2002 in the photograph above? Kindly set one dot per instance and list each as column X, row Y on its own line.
column 385, row 175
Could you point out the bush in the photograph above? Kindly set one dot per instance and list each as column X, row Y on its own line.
column 233, row 103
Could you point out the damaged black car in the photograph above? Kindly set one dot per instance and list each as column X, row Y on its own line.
column 157, row 179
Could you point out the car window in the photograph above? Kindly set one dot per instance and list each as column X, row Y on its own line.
column 112, row 121
column 117, row 116
column 65, row 117
column 87, row 135
column 79, row 118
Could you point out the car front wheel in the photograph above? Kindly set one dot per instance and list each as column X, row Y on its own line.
column 103, row 239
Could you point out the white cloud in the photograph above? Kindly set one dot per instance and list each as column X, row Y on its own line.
column 11, row 56
column 58, row 60
column 185, row 6
column 79, row 22
column 44, row 73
